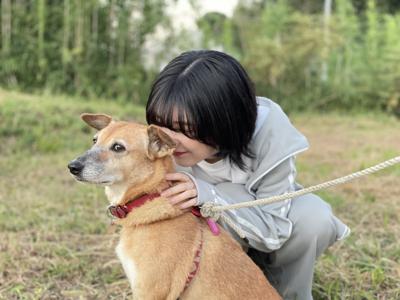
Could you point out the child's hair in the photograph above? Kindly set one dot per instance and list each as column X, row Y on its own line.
column 213, row 99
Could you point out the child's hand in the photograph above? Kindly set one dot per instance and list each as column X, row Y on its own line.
column 183, row 192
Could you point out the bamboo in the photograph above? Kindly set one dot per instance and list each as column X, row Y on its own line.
column 327, row 16
column 41, row 15
column 6, row 26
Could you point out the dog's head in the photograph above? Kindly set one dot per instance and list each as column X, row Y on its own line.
column 122, row 152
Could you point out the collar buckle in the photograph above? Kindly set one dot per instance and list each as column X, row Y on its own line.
column 118, row 211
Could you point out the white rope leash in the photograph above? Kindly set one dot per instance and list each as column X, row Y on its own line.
column 211, row 210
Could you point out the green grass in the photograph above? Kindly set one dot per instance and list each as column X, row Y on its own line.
column 53, row 231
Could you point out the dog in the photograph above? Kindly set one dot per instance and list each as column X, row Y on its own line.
column 166, row 253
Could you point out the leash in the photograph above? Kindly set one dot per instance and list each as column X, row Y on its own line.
column 213, row 211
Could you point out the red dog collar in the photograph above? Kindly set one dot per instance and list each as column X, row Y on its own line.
column 121, row 211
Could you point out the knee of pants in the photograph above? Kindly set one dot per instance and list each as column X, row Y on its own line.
column 313, row 224
column 313, row 231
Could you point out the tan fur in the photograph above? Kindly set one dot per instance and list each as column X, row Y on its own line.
column 159, row 241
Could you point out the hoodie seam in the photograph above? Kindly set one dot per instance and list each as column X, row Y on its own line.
column 271, row 168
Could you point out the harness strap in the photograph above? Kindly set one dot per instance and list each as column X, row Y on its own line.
column 196, row 261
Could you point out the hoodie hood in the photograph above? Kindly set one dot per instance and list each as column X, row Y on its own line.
column 275, row 139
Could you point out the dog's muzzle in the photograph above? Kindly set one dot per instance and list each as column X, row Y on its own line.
column 75, row 167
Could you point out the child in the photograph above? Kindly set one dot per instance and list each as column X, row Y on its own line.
column 233, row 146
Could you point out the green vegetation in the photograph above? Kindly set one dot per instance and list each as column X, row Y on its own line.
column 37, row 123
column 89, row 47
column 54, row 242
column 347, row 57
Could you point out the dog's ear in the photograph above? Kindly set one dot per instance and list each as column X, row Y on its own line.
column 160, row 144
column 97, row 121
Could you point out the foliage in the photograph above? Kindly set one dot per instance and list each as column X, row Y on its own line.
column 85, row 47
column 40, row 125
column 347, row 60
column 295, row 54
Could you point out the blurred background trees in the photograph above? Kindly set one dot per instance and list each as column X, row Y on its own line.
column 305, row 54
column 89, row 47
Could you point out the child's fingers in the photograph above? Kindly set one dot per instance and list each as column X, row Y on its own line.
column 189, row 203
column 177, row 177
column 178, row 188
column 184, row 193
column 182, row 197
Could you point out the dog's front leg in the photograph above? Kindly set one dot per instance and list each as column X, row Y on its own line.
column 146, row 284
column 155, row 288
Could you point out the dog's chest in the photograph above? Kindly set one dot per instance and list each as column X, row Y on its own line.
column 127, row 263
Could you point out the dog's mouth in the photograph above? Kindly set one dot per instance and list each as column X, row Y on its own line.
column 81, row 179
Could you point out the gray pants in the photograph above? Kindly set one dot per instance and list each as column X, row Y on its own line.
column 290, row 269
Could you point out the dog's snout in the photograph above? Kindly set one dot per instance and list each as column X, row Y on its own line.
column 75, row 167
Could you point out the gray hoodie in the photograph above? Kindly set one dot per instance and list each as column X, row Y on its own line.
column 275, row 144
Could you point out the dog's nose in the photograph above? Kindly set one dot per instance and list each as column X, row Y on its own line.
column 75, row 167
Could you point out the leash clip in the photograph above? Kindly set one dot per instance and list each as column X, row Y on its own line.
column 117, row 211
column 210, row 222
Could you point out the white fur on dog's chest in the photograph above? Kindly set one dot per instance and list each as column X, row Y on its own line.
column 127, row 263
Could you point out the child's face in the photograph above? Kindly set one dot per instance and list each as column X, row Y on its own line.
column 189, row 151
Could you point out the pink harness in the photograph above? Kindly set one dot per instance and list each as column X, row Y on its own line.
column 196, row 262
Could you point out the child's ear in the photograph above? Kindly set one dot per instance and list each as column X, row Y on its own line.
column 97, row 121
column 160, row 144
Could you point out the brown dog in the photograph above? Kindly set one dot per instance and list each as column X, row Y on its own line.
column 166, row 253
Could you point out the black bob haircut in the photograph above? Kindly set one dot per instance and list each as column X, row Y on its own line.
column 214, row 100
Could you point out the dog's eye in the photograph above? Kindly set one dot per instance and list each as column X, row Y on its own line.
column 94, row 140
column 117, row 147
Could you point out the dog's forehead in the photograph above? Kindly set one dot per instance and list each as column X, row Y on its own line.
column 129, row 132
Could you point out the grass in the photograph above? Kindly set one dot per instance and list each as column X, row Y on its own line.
column 367, row 264
column 53, row 231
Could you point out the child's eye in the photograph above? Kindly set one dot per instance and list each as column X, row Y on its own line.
column 187, row 132
column 177, row 130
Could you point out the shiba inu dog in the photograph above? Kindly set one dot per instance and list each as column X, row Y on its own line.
column 167, row 253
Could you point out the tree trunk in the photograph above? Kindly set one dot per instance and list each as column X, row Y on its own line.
column 78, row 43
column 41, row 7
column 95, row 24
column 6, row 26
column 327, row 16
column 66, row 31
column 112, row 25
column 65, row 49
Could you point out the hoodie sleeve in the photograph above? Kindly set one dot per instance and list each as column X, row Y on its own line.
column 278, row 181
column 266, row 227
